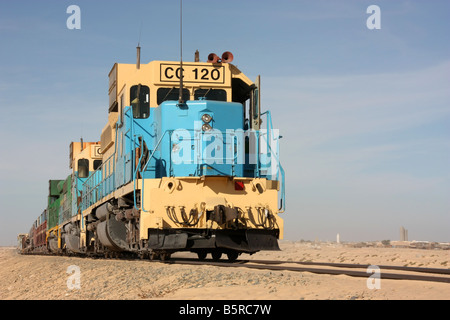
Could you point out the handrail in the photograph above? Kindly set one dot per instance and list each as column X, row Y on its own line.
column 136, row 171
column 156, row 148
column 143, row 170
column 99, row 184
column 96, row 181
column 282, row 206
column 280, row 170
column 88, row 185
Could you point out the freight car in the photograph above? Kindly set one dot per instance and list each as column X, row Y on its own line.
column 186, row 162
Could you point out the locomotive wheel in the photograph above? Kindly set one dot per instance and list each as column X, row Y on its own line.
column 201, row 255
column 153, row 255
column 142, row 255
column 165, row 256
column 216, row 255
column 232, row 255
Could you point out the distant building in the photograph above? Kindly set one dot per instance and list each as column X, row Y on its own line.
column 403, row 234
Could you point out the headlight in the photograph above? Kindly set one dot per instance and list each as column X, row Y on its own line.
column 206, row 127
column 206, row 118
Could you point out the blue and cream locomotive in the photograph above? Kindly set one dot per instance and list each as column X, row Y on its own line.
column 186, row 162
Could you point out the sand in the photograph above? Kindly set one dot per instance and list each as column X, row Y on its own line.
column 26, row 277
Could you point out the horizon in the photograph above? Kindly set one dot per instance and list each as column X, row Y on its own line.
column 364, row 113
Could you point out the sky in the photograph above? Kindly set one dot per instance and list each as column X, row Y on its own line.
column 364, row 113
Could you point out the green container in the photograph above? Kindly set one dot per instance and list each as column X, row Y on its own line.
column 66, row 200
column 53, row 188
column 53, row 212
column 59, row 201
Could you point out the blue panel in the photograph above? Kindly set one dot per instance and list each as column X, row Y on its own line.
column 187, row 150
column 176, row 143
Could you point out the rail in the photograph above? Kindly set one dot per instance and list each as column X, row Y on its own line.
column 415, row 274
column 408, row 273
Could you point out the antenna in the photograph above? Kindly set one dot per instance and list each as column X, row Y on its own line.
column 138, row 48
column 180, row 96
column 138, row 58
column 81, row 139
column 140, row 33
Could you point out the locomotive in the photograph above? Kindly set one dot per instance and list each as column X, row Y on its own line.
column 186, row 162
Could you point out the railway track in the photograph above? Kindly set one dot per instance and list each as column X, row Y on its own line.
column 406, row 273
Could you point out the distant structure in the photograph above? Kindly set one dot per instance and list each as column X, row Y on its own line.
column 338, row 240
column 403, row 234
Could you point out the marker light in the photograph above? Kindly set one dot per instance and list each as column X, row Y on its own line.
column 206, row 118
column 206, row 127
column 239, row 185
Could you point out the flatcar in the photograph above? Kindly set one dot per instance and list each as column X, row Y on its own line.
column 186, row 162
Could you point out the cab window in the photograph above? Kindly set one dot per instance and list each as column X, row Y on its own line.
column 211, row 94
column 97, row 164
column 83, row 168
column 140, row 101
column 164, row 94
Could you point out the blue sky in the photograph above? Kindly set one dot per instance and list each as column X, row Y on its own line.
column 364, row 114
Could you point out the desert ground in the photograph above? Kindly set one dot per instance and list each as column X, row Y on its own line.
column 30, row 277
